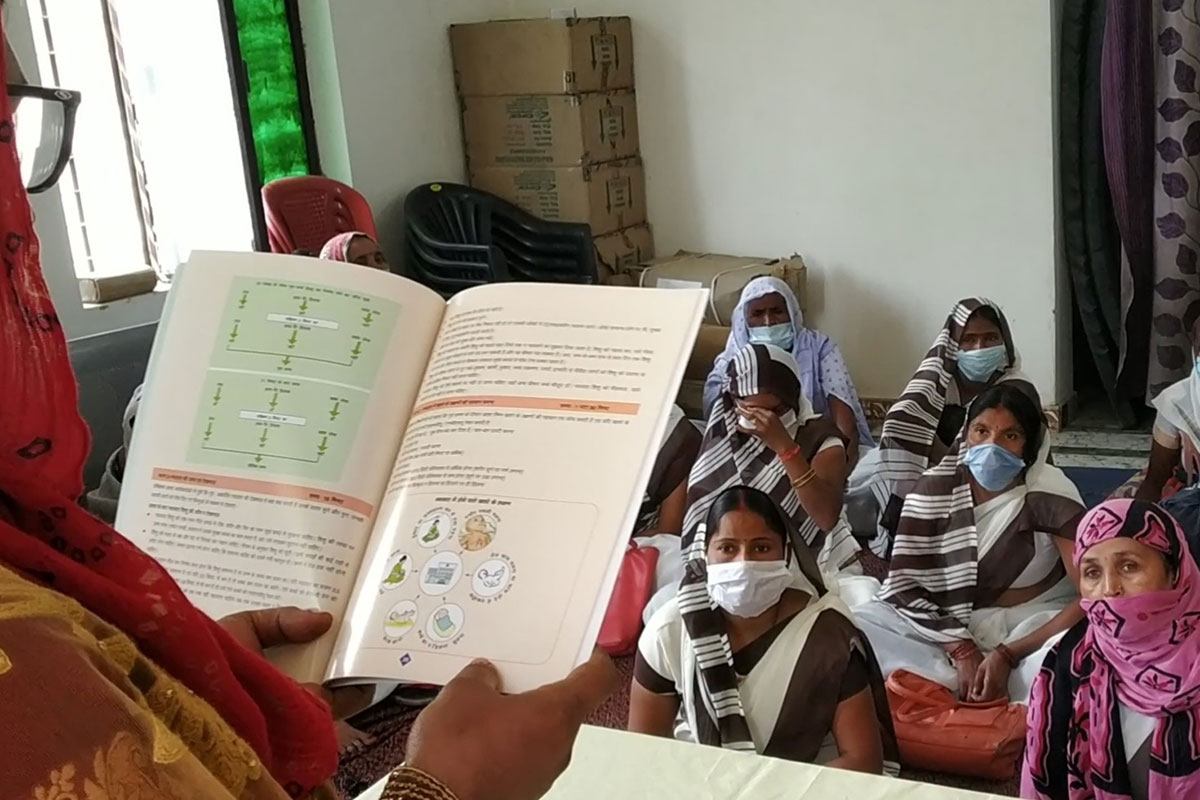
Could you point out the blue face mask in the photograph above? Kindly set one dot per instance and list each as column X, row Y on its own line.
column 781, row 335
column 994, row 467
column 979, row 365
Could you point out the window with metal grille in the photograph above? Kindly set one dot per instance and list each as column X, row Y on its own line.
column 182, row 103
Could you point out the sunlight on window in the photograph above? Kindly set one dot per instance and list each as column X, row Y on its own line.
column 178, row 72
column 187, row 189
column 97, row 190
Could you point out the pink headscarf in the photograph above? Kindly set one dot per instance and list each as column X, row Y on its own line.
column 338, row 248
column 1142, row 652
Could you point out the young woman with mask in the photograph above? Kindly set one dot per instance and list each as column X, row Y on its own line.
column 768, row 313
column 755, row 630
column 973, row 350
column 981, row 575
column 1115, row 710
column 763, row 433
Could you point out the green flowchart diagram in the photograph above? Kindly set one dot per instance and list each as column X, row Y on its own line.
column 291, row 371
column 307, row 330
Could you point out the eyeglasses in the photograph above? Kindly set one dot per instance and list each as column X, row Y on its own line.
column 44, row 122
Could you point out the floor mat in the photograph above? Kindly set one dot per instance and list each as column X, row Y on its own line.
column 1097, row 483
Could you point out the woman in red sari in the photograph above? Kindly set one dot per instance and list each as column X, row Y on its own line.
column 112, row 683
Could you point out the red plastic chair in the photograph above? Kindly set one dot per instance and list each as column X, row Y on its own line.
column 305, row 212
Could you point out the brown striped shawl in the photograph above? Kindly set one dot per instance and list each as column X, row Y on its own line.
column 731, row 458
column 936, row 577
column 910, row 428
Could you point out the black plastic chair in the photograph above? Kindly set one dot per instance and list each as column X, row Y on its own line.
column 460, row 237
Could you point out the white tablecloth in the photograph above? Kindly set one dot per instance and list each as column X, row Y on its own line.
column 609, row 763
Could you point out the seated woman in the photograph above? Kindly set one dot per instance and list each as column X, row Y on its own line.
column 660, row 520
column 974, row 350
column 768, row 313
column 666, row 493
column 801, row 683
column 1115, row 710
column 102, row 501
column 1174, row 470
column 981, row 574
column 355, row 247
column 763, row 433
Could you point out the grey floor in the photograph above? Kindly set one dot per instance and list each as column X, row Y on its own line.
column 1109, row 449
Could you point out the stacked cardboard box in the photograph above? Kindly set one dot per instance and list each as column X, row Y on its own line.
column 724, row 276
column 550, row 123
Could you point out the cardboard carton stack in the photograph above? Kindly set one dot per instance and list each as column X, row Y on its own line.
column 550, row 124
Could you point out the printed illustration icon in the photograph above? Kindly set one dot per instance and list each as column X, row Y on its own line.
column 478, row 531
column 441, row 573
column 401, row 619
column 444, row 623
column 491, row 577
column 397, row 570
column 434, row 528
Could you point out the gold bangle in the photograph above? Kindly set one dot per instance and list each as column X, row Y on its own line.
column 805, row 479
column 410, row 783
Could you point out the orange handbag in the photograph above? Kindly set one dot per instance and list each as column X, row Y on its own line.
column 635, row 583
column 938, row 732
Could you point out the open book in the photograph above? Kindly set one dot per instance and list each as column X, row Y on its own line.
column 451, row 480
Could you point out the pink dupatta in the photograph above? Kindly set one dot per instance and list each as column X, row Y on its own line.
column 1142, row 652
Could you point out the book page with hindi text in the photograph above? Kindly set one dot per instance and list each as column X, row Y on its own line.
column 276, row 398
column 518, row 481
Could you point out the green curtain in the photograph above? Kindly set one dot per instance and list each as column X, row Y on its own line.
column 273, row 95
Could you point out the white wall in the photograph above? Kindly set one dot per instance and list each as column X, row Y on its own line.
column 382, row 85
column 1063, row 317
column 906, row 149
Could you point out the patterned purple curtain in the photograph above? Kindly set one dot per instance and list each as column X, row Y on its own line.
column 1176, row 185
column 1127, row 122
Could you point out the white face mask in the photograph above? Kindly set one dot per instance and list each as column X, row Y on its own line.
column 748, row 588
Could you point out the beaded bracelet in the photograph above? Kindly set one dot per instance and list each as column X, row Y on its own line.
column 410, row 783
